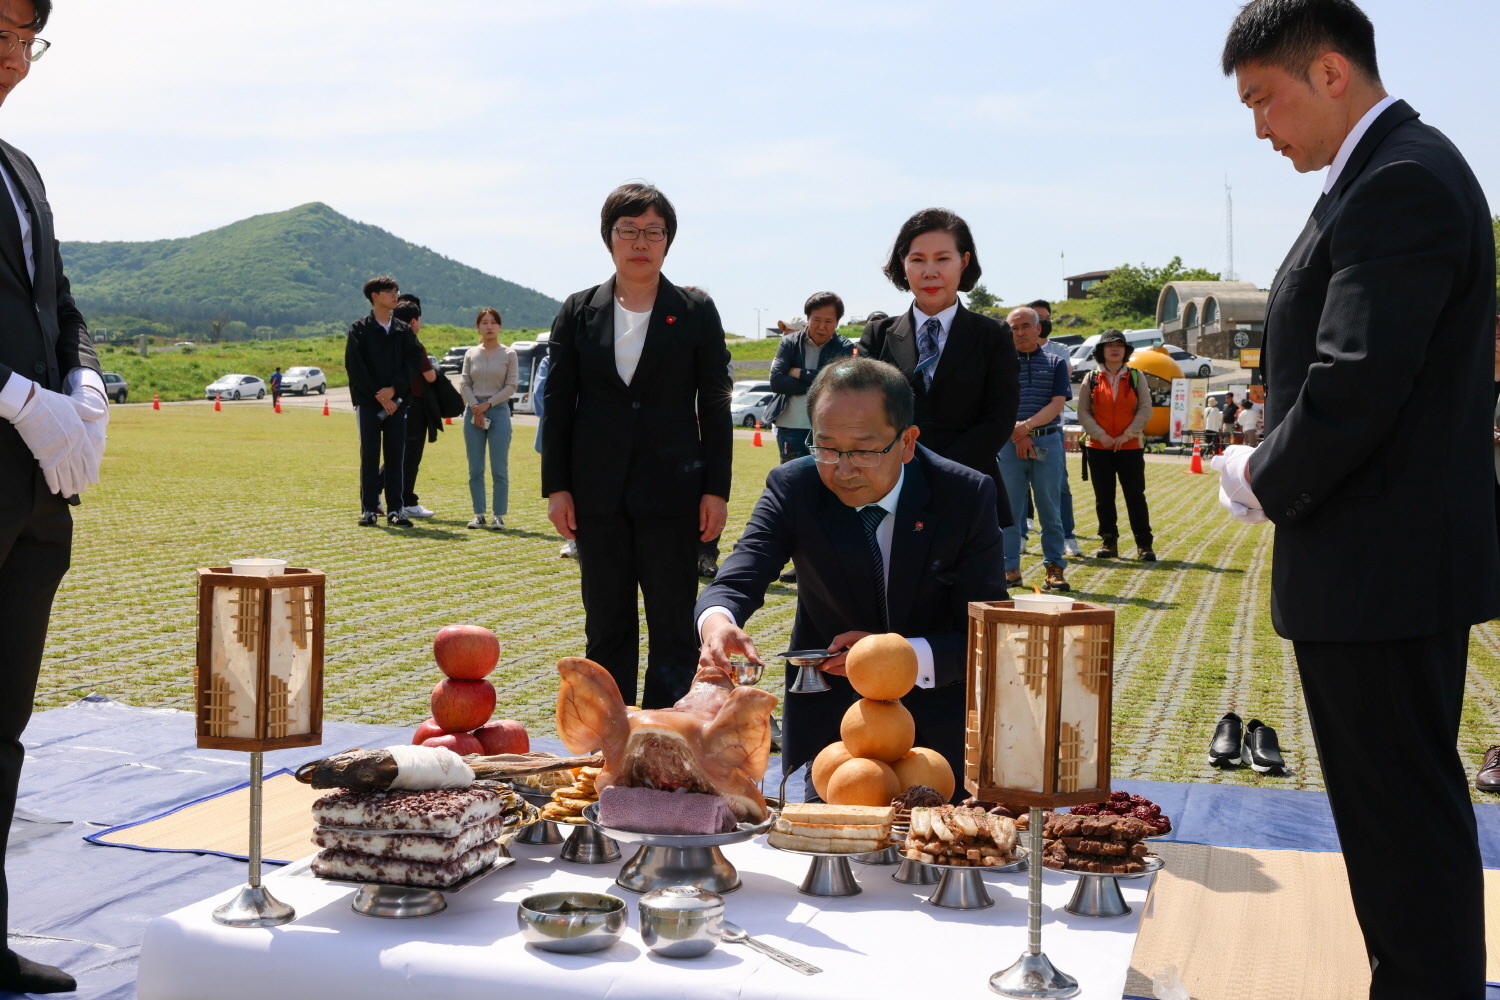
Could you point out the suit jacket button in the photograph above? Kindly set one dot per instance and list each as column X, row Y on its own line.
column 39, row 368
column 1306, row 498
column 1297, row 504
column 1290, row 512
column 636, row 405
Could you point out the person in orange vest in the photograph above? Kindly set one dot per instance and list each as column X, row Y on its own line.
column 1114, row 406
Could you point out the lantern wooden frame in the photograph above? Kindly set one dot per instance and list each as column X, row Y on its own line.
column 253, row 628
column 1044, row 658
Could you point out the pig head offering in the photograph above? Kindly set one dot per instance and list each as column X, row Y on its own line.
column 715, row 740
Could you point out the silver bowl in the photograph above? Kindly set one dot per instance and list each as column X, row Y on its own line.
column 545, row 921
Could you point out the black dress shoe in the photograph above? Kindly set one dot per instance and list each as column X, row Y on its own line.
column 1488, row 778
column 790, row 576
column 398, row 521
column 367, row 519
column 22, row 975
column 1265, row 752
column 1224, row 751
column 708, row 566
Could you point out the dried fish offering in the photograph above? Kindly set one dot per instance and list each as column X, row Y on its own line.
column 416, row 768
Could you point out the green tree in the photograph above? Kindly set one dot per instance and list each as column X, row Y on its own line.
column 1132, row 291
column 981, row 297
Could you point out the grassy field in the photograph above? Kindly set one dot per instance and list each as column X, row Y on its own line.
column 187, row 487
column 182, row 373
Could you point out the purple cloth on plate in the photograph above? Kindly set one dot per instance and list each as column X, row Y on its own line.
column 650, row 810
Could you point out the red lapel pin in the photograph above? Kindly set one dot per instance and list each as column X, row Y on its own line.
column 671, row 319
column 919, row 526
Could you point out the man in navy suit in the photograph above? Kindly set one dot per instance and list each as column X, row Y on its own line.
column 1387, row 295
column 886, row 537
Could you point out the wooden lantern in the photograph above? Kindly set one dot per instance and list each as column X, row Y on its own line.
column 1040, row 686
column 260, row 656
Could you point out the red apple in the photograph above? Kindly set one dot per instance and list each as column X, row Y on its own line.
column 503, row 736
column 427, row 731
column 462, row 706
column 459, row 743
column 466, row 652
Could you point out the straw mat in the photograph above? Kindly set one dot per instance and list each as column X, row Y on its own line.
column 220, row 824
column 1206, row 899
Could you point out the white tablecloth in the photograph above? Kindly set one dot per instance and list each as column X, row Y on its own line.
column 886, row 942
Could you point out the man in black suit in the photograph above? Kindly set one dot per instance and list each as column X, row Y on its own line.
column 53, row 402
column 930, row 523
column 1387, row 295
column 637, row 446
column 382, row 356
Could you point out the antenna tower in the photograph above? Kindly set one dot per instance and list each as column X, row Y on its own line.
column 1228, row 231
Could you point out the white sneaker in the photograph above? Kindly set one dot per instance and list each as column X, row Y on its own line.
column 569, row 550
column 1030, row 526
column 1070, row 548
column 418, row 511
column 478, row 521
column 497, row 523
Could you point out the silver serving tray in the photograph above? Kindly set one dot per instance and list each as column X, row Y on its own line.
column 1153, row 863
column 461, row 884
column 740, row 834
column 1018, row 865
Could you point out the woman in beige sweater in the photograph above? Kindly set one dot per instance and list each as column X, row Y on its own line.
column 489, row 378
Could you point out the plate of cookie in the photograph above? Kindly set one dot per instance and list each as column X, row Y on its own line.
column 566, row 804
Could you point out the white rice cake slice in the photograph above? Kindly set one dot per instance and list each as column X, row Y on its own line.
column 825, row 845
column 833, row 831
column 443, row 811
column 398, row 871
column 410, row 846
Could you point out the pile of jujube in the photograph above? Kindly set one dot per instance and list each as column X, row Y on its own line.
column 1125, row 804
column 463, row 701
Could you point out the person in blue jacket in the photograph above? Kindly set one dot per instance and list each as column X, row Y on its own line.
column 799, row 358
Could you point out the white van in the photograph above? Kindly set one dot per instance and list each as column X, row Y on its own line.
column 1083, row 354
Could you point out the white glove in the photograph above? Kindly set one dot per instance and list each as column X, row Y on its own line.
column 51, row 427
column 1235, row 494
column 93, row 410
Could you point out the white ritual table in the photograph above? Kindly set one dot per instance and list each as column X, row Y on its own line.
column 885, row 942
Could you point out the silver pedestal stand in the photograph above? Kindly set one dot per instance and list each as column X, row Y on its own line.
column 809, row 677
column 587, row 846
column 889, row 856
column 1099, row 895
column 1033, row 977
column 667, row 859
column 915, row 873
column 545, row 832
column 254, row 906
column 961, row 888
column 829, row 874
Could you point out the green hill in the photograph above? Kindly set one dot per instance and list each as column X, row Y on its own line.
column 297, row 272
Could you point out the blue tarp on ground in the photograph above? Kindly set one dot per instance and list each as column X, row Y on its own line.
column 97, row 764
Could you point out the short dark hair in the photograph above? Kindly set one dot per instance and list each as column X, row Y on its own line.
column 817, row 300
column 1040, row 304
column 633, row 199
column 933, row 220
column 41, row 10
column 379, row 283
column 407, row 311
column 488, row 311
column 1292, row 33
column 861, row 375
column 409, row 297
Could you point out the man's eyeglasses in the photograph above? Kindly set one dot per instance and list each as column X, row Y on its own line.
column 858, row 459
column 628, row 233
column 35, row 48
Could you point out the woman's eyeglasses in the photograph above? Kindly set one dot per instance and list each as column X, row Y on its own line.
column 628, row 233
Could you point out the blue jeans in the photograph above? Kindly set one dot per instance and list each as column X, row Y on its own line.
column 498, row 438
column 1066, row 503
column 1042, row 477
column 792, row 442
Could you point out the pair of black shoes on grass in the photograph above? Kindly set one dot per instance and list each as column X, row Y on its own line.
column 1233, row 742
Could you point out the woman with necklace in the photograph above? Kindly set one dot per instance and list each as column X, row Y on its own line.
column 490, row 375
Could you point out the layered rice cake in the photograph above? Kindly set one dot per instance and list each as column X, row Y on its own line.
column 355, row 867
column 442, row 811
column 409, row 846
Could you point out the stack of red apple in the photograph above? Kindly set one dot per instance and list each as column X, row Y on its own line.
column 463, row 701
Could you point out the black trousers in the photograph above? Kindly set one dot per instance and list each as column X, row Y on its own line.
column 1129, row 467
column 1385, row 719
column 381, row 439
column 809, row 722
column 35, row 547
column 660, row 556
column 411, row 462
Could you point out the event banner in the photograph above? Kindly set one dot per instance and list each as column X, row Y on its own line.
column 1197, row 401
column 1179, row 409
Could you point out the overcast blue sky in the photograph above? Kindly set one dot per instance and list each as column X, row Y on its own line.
column 793, row 137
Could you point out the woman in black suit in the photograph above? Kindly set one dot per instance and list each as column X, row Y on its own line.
column 636, row 447
column 962, row 366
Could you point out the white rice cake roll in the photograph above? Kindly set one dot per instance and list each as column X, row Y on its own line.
column 410, row 846
column 442, row 811
column 357, row 867
column 825, row 845
column 833, row 831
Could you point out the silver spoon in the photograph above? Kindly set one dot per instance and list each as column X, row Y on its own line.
column 735, row 934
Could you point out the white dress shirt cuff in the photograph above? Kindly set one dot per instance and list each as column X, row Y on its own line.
column 13, row 397
column 926, row 671
column 85, row 376
column 716, row 610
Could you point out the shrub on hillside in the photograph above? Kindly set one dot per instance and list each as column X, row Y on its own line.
column 1133, row 291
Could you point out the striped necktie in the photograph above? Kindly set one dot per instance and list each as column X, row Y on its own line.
column 871, row 516
column 927, row 349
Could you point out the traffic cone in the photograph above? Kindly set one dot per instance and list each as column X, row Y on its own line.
column 756, row 442
column 217, row 397
column 449, row 421
column 276, row 404
column 1196, row 465
column 156, row 403
column 325, row 406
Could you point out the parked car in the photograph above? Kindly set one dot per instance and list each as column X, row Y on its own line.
column 529, row 355
column 1083, row 361
column 1068, row 340
column 749, row 407
column 453, row 361
column 237, row 387
column 740, row 388
column 115, row 387
column 303, row 380
column 1192, row 366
